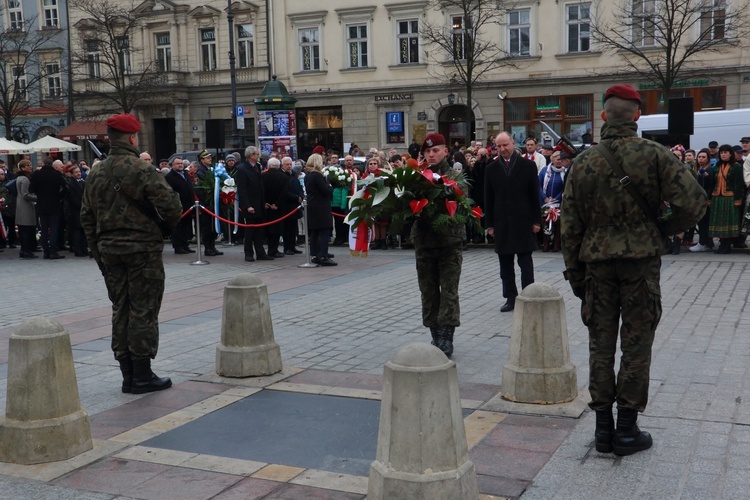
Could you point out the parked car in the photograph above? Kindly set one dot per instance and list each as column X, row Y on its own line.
column 358, row 161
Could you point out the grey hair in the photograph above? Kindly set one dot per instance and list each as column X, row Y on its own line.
column 250, row 150
column 286, row 159
column 273, row 163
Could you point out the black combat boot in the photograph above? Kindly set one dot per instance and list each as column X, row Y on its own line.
column 144, row 380
column 437, row 336
column 447, row 347
column 126, row 367
column 605, row 430
column 676, row 245
column 629, row 438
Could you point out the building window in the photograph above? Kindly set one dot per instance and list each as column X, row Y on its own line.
column 356, row 40
column 54, row 82
column 578, row 18
column 245, row 46
column 123, row 55
column 15, row 15
column 309, row 44
column 408, row 41
column 570, row 115
column 460, row 37
column 163, row 52
column 92, row 59
column 208, row 49
column 704, row 98
column 51, row 18
column 19, row 82
column 713, row 20
column 519, row 32
column 643, row 23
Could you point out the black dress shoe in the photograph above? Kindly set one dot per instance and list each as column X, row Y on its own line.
column 212, row 252
column 55, row 256
column 249, row 258
column 276, row 255
column 81, row 254
column 329, row 255
column 181, row 251
column 289, row 252
column 28, row 255
column 265, row 257
column 508, row 306
column 297, row 251
column 325, row 261
column 189, row 250
column 314, row 260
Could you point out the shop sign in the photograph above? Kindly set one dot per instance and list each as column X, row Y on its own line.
column 394, row 97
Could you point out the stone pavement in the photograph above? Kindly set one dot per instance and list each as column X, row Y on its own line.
column 309, row 431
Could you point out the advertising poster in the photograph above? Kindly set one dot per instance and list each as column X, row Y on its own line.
column 266, row 145
column 265, row 123
column 281, row 123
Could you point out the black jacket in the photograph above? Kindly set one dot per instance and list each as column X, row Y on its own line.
column 183, row 187
column 50, row 188
column 319, row 196
column 512, row 204
column 250, row 190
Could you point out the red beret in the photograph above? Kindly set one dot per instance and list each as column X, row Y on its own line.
column 124, row 122
column 319, row 150
column 623, row 92
column 432, row 140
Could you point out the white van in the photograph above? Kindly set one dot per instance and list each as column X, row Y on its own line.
column 724, row 126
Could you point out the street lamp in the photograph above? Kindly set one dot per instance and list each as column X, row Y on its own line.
column 232, row 74
column 451, row 98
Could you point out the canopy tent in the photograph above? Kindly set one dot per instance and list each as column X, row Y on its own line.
column 8, row 147
column 49, row 144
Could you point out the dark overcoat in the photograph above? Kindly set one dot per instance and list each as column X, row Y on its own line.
column 183, row 187
column 276, row 192
column 250, row 191
column 50, row 188
column 319, row 197
column 512, row 204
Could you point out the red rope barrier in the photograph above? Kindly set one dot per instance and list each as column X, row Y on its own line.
column 187, row 211
column 263, row 224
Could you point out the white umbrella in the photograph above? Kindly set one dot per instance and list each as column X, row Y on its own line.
column 8, row 147
column 49, row 144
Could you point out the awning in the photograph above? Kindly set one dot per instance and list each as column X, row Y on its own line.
column 84, row 130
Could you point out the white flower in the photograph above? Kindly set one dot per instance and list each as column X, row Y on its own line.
column 229, row 182
column 228, row 189
column 341, row 177
column 399, row 191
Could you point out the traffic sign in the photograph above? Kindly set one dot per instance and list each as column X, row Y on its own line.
column 240, row 110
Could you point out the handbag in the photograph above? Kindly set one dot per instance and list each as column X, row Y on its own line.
column 628, row 185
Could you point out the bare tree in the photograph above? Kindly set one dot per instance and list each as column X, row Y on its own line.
column 664, row 41
column 117, row 75
column 465, row 50
column 21, row 71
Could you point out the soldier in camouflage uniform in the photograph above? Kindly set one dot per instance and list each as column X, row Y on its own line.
column 439, row 259
column 612, row 251
column 123, row 199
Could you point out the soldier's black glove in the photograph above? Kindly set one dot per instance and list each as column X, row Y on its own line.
column 579, row 292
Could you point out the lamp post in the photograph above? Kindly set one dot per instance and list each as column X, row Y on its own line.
column 232, row 74
column 451, row 98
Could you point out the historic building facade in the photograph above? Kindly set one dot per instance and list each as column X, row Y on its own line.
column 33, row 48
column 365, row 73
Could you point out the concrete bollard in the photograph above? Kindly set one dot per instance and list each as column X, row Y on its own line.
column 44, row 421
column 539, row 368
column 422, row 452
column 247, row 347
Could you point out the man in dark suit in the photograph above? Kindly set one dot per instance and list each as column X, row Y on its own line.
column 179, row 180
column 513, row 214
column 50, row 188
column 252, row 203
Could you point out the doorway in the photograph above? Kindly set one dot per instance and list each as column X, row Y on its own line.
column 452, row 125
column 165, row 138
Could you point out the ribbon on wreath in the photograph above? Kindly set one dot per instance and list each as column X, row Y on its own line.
column 553, row 213
column 359, row 240
column 220, row 173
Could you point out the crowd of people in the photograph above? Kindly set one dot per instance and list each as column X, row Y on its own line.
column 40, row 204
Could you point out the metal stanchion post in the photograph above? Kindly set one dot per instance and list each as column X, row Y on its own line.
column 307, row 235
column 200, row 261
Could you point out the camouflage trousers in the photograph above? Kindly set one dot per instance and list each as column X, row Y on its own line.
column 624, row 295
column 438, row 273
column 135, row 284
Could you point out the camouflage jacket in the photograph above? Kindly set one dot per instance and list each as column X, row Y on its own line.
column 110, row 220
column 600, row 220
column 424, row 236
